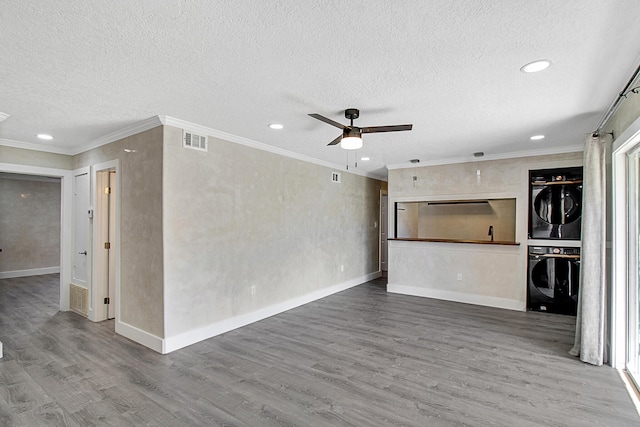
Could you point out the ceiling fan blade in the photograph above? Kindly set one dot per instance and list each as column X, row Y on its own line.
column 336, row 141
column 375, row 129
column 327, row 120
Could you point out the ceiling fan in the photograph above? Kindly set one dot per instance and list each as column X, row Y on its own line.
column 351, row 138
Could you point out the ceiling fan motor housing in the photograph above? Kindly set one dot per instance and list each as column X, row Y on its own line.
column 352, row 132
column 352, row 113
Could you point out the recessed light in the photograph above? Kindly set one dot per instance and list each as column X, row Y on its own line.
column 276, row 126
column 536, row 137
column 45, row 136
column 364, row 159
column 535, row 66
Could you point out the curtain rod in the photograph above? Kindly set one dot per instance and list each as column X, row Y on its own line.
column 614, row 105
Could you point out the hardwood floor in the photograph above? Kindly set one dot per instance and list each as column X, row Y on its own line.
column 359, row 358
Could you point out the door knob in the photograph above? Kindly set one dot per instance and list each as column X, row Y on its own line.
column 83, row 253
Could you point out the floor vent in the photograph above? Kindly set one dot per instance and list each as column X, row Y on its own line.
column 79, row 299
column 196, row 142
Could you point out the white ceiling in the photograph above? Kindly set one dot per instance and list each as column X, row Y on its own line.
column 82, row 70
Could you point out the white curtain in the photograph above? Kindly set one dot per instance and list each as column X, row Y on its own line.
column 592, row 309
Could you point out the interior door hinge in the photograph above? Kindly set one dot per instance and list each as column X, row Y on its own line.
column 107, row 190
column 107, row 245
column 107, row 300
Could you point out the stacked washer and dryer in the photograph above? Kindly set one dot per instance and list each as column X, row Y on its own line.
column 555, row 217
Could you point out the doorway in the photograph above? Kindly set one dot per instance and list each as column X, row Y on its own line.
column 66, row 221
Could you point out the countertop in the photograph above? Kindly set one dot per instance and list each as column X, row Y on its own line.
column 476, row 242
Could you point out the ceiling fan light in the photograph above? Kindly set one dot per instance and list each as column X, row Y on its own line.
column 351, row 143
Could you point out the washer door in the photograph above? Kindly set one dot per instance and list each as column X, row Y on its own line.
column 556, row 278
column 558, row 204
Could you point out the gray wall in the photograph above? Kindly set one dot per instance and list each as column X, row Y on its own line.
column 236, row 217
column 29, row 224
column 34, row 158
column 141, row 274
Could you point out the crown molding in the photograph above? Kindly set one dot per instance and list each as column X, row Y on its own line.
column 204, row 130
column 133, row 129
column 501, row 156
column 162, row 120
column 35, row 147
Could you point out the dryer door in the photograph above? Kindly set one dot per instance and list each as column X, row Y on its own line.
column 556, row 212
column 556, row 278
column 558, row 204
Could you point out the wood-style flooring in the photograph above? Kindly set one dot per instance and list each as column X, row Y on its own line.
column 361, row 357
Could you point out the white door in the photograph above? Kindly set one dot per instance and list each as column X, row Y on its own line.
column 384, row 225
column 81, row 225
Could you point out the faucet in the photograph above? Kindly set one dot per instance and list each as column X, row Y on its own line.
column 491, row 232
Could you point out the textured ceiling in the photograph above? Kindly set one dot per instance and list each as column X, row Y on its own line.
column 81, row 70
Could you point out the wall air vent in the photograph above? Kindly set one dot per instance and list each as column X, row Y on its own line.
column 191, row 140
column 335, row 177
column 79, row 299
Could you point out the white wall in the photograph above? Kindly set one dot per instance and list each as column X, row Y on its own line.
column 491, row 275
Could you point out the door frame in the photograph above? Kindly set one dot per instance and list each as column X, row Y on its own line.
column 380, row 225
column 66, row 219
column 625, row 144
column 75, row 173
column 99, row 284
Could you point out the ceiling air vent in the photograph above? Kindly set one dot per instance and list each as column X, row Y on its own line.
column 335, row 177
column 191, row 140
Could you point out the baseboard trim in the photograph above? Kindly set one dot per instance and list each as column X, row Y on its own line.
column 141, row 337
column 200, row 334
column 488, row 301
column 30, row 272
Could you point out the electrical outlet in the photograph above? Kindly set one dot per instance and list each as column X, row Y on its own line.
column 342, row 268
column 460, row 276
column 253, row 289
column 375, row 224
